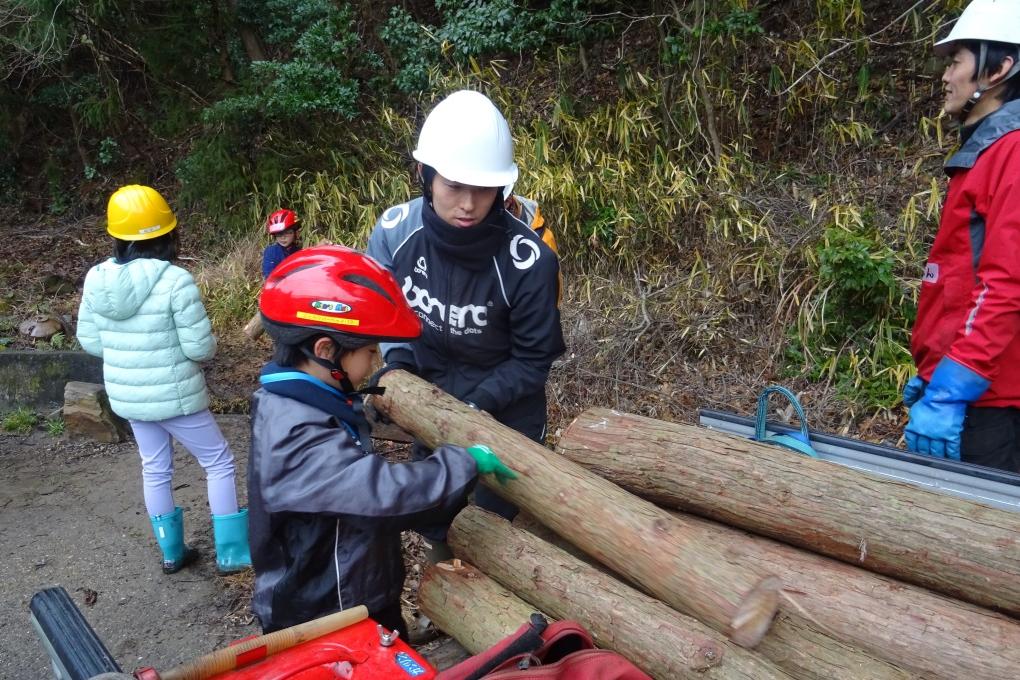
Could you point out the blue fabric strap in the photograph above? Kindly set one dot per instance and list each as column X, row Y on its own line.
column 266, row 379
column 800, row 441
column 295, row 385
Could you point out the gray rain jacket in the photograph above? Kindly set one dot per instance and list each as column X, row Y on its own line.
column 325, row 515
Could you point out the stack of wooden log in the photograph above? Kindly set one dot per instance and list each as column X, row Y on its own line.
column 698, row 554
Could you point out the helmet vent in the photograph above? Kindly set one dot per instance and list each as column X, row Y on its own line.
column 295, row 270
column 359, row 280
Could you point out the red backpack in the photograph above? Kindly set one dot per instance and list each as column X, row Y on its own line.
column 540, row 650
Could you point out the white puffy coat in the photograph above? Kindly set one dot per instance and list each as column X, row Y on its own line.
column 146, row 321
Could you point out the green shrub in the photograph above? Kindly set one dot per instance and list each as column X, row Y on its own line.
column 857, row 271
column 415, row 47
column 20, row 421
column 285, row 110
column 855, row 330
column 55, row 427
column 473, row 29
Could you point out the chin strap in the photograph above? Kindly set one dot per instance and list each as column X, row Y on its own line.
column 976, row 97
column 337, row 373
column 981, row 63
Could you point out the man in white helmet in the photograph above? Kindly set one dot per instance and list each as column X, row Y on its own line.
column 484, row 284
column 965, row 398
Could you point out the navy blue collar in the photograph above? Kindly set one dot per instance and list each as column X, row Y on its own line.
column 307, row 389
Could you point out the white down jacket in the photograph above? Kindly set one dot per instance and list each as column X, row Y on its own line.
column 146, row 321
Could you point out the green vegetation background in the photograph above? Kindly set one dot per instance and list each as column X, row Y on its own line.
column 739, row 188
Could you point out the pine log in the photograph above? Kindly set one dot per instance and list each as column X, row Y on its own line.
column 664, row 643
column 469, row 606
column 643, row 543
column 525, row 522
column 954, row 546
column 906, row 624
column 959, row 639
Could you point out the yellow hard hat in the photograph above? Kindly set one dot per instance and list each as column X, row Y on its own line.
column 138, row 213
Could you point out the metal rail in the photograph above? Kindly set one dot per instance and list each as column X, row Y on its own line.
column 993, row 487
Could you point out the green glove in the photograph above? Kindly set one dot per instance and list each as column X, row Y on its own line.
column 490, row 464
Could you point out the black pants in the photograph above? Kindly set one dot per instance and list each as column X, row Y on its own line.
column 390, row 617
column 991, row 437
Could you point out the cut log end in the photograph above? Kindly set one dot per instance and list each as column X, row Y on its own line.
column 455, row 565
column 253, row 329
column 756, row 613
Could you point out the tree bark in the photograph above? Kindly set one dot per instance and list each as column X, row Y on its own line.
column 469, row 606
column 677, row 564
column 664, row 643
column 934, row 634
column 249, row 36
column 951, row 545
column 905, row 624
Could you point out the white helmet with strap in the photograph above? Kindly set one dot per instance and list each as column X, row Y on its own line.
column 985, row 21
column 467, row 140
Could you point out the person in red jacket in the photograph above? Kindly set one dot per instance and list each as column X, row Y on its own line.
column 965, row 400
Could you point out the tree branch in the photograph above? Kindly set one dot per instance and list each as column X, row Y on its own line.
column 817, row 65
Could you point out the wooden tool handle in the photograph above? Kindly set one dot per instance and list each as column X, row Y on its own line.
column 259, row 648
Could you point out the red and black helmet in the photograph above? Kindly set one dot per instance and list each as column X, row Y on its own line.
column 281, row 221
column 338, row 292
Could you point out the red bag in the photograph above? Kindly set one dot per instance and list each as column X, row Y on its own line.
column 540, row 650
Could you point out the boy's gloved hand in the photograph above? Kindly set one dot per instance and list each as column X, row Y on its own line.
column 913, row 390
column 936, row 420
column 490, row 464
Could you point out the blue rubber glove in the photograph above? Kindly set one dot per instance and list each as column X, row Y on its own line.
column 913, row 390
column 490, row 464
column 936, row 421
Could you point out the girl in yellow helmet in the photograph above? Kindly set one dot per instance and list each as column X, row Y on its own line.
column 144, row 318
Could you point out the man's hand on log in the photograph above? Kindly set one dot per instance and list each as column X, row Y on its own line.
column 490, row 464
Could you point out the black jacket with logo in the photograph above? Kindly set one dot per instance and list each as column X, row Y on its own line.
column 487, row 297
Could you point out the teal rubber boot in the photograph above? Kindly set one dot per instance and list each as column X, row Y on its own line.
column 231, row 535
column 169, row 530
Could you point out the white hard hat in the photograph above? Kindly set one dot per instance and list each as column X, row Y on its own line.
column 467, row 140
column 984, row 20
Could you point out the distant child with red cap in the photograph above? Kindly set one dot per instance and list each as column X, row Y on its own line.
column 283, row 225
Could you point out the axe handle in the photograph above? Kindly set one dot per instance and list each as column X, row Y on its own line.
column 259, row 648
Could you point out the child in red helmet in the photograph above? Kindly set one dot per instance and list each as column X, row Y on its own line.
column 325, row 512
column 283, row 225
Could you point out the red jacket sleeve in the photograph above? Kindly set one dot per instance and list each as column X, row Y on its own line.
column 993, row 321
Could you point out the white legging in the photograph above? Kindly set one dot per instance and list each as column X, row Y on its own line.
column 200, row 435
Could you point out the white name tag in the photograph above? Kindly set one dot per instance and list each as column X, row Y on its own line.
column 931, row 273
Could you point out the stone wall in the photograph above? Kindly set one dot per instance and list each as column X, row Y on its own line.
column 36, row 379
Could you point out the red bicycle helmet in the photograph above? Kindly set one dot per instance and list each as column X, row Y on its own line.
column 335, row 291
column 282, row 220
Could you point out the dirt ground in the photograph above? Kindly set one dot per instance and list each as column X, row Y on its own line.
column 71, row 514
